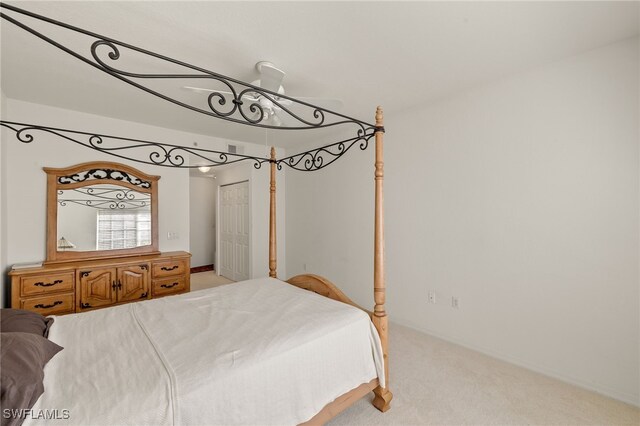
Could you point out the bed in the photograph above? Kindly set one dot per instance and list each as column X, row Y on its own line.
column 256, row 352
column 263, row 351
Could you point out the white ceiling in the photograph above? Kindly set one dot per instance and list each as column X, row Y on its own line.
column 399, row 55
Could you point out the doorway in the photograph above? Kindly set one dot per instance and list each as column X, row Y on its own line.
column 202, row 220
column 234, row 228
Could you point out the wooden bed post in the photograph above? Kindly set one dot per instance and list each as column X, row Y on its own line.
column 272, row 217
column 383, row 396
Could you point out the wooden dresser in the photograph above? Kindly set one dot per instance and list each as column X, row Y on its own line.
column 79, row 286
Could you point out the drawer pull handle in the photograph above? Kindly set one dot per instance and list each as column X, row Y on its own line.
column 169, row 285
column 164, row 268
column 56, row 303
column 113, row 285
column 41, row 284
column 85, row 305
column 144, row 267
column 144, row 295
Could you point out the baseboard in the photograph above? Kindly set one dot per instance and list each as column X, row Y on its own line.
column 204, row 268
column 611, row 393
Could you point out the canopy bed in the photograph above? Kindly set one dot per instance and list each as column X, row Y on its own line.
column 157, row 321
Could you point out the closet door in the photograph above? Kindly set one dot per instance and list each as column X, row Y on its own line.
column 226, row 231
column 241, row 238
column 234, row 224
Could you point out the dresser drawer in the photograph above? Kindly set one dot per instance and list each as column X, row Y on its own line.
column 50, row 283
column 49, row 305
column 168, row 286
column 168, row 268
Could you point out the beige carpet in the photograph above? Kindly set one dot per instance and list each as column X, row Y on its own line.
column 438, row 383
column 207, row 279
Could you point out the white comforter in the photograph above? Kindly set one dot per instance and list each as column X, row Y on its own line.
column 256, row 352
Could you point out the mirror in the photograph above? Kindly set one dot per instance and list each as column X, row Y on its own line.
column 100, row 210
column 103, row 217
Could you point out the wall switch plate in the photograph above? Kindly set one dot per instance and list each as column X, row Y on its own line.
column 432, row 297
column 455, row 303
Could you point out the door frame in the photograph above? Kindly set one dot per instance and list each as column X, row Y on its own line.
column 218, row 251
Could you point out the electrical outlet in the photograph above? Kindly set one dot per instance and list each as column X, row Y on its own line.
column 455, row 303
column 432, row 297
column 173, row 236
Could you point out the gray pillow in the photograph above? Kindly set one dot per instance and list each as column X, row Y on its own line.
column 20, row 320
column 22, row 360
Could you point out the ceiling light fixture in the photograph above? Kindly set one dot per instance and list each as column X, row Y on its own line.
column 204, row 169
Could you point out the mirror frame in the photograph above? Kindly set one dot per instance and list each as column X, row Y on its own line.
column 75, row 180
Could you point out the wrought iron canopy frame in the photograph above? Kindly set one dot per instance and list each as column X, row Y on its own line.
column 139, row 150
column 171, row 155
column 242, row 108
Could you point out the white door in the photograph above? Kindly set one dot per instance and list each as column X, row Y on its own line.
column 234, row 231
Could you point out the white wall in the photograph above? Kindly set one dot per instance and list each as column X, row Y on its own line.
column 3, row 208
column 259, row 204
column 521, row 199
column 202, row 212
column 78, row 225
column 25, row 236
column 26, row 182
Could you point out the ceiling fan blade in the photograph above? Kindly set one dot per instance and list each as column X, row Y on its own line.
column 284, row 118
column 203, row 90
column 284, row 102
column 330, row 104
column 276, row 120
column 271, row 77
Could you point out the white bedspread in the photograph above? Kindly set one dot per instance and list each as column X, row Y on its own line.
column 255, row 352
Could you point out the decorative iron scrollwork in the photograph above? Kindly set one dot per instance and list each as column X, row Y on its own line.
column 141, row 151
column 320, row 158
column 238, row 101
column 306, row 161
column 100, row 174
column 101, row 198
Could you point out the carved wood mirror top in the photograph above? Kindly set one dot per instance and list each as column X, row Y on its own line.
column 100, row 209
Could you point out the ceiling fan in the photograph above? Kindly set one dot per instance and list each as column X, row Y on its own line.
column 271, row 79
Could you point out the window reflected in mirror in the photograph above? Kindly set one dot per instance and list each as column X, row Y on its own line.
column 103, row 217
